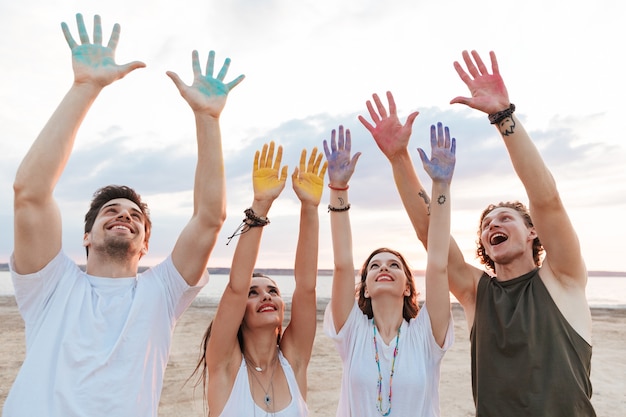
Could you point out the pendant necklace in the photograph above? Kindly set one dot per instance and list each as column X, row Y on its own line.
column 379, row 404
column 267, row 399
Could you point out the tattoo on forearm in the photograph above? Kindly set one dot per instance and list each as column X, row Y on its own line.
column 341, row 201
column 426, row 199
column 507, row 126
column 441, row 200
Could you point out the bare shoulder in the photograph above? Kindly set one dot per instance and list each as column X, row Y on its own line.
column 568, row 293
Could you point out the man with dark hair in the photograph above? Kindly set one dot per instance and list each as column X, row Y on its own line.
column 98, row 341
column 530, row 323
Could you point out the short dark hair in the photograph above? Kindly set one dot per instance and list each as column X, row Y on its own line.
column 525, row 213
column 410, row 308
column 111, row 192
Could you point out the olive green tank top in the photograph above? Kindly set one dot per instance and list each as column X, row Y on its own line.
column 526, row 358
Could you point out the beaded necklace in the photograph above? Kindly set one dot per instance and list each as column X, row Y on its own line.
column 379, row 404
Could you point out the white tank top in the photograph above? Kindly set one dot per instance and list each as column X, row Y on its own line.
column 241, row 402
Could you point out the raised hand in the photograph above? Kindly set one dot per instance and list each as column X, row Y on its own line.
column 268, row 179
column 440, row 166
column 92, row 62
column 390, row 135
column 340, row 164
column 308, row 180
column 207, row 94
column 488, row 91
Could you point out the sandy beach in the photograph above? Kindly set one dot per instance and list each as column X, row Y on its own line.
column 608, row 370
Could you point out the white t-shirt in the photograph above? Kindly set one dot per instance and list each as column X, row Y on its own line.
column 95, row 346
column 241, row 403
column 416, row 374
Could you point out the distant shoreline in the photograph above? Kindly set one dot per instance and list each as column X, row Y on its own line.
column 329, row 272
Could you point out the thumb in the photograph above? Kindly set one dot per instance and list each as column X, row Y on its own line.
column 354, row 160
column 176, row 79
column 423, row 156
column 131, row 66
column 411, row 119
column 460, row 100
column 323, row 171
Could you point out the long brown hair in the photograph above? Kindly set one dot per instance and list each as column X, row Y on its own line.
column 410, row 308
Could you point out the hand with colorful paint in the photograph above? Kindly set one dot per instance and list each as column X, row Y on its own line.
column 440, row 166
column 489, row 93
column 94, row 63
column 308, row 179
column 391, row 136
column 340, row 164
column 268, row 178
column 207, row 94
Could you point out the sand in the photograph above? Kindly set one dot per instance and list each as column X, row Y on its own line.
column 608, row 369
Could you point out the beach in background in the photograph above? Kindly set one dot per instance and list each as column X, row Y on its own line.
column 178, row 399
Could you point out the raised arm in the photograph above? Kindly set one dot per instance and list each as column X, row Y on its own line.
column 392, row 137
column 340, row 169
column 489, row 95
column 207, row 97
column 37, row 217
column 297, row 340
column 440, row 168
column 223, row 354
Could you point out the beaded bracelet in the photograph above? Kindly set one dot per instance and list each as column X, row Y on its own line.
column 344, row 208
column 497, row 117
column 251, row 220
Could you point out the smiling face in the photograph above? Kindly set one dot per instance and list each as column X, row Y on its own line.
column 265, row 304
column 386, row 271
column 385, row 275
column 109, row 193
column 505, row 236
column 119, row 230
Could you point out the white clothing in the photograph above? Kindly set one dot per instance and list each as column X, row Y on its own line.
column 416, row 374
column 241, row 403
column 95, row 346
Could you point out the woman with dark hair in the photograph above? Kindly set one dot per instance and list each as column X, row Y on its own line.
column 384, row 339
column 249, row 366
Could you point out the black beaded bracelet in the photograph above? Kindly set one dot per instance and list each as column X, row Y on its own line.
column 344, row 208
column 495, row 118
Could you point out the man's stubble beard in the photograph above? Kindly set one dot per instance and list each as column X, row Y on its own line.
column 114, row 248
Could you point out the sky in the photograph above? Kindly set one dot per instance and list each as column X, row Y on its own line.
column 310, row 66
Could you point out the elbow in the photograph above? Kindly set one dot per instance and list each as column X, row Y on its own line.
column 343, row 268
column 24, row 194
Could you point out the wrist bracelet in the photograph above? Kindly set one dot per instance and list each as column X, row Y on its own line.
column 332, row 187
column 497, row 117
column 344, row 208
column 251, row 220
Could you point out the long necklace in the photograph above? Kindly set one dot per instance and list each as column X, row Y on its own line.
column 379, row 404
column 270, row 388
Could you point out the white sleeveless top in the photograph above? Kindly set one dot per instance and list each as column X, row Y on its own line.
column 241, row 402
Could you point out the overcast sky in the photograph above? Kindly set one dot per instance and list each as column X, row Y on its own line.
column 310, row 66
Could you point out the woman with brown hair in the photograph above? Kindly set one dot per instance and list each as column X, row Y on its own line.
column 384, row 339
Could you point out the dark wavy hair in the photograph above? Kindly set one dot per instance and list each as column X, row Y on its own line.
column 525, row 213
column 201, row 367
column 111, row 192
column 410, row 308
